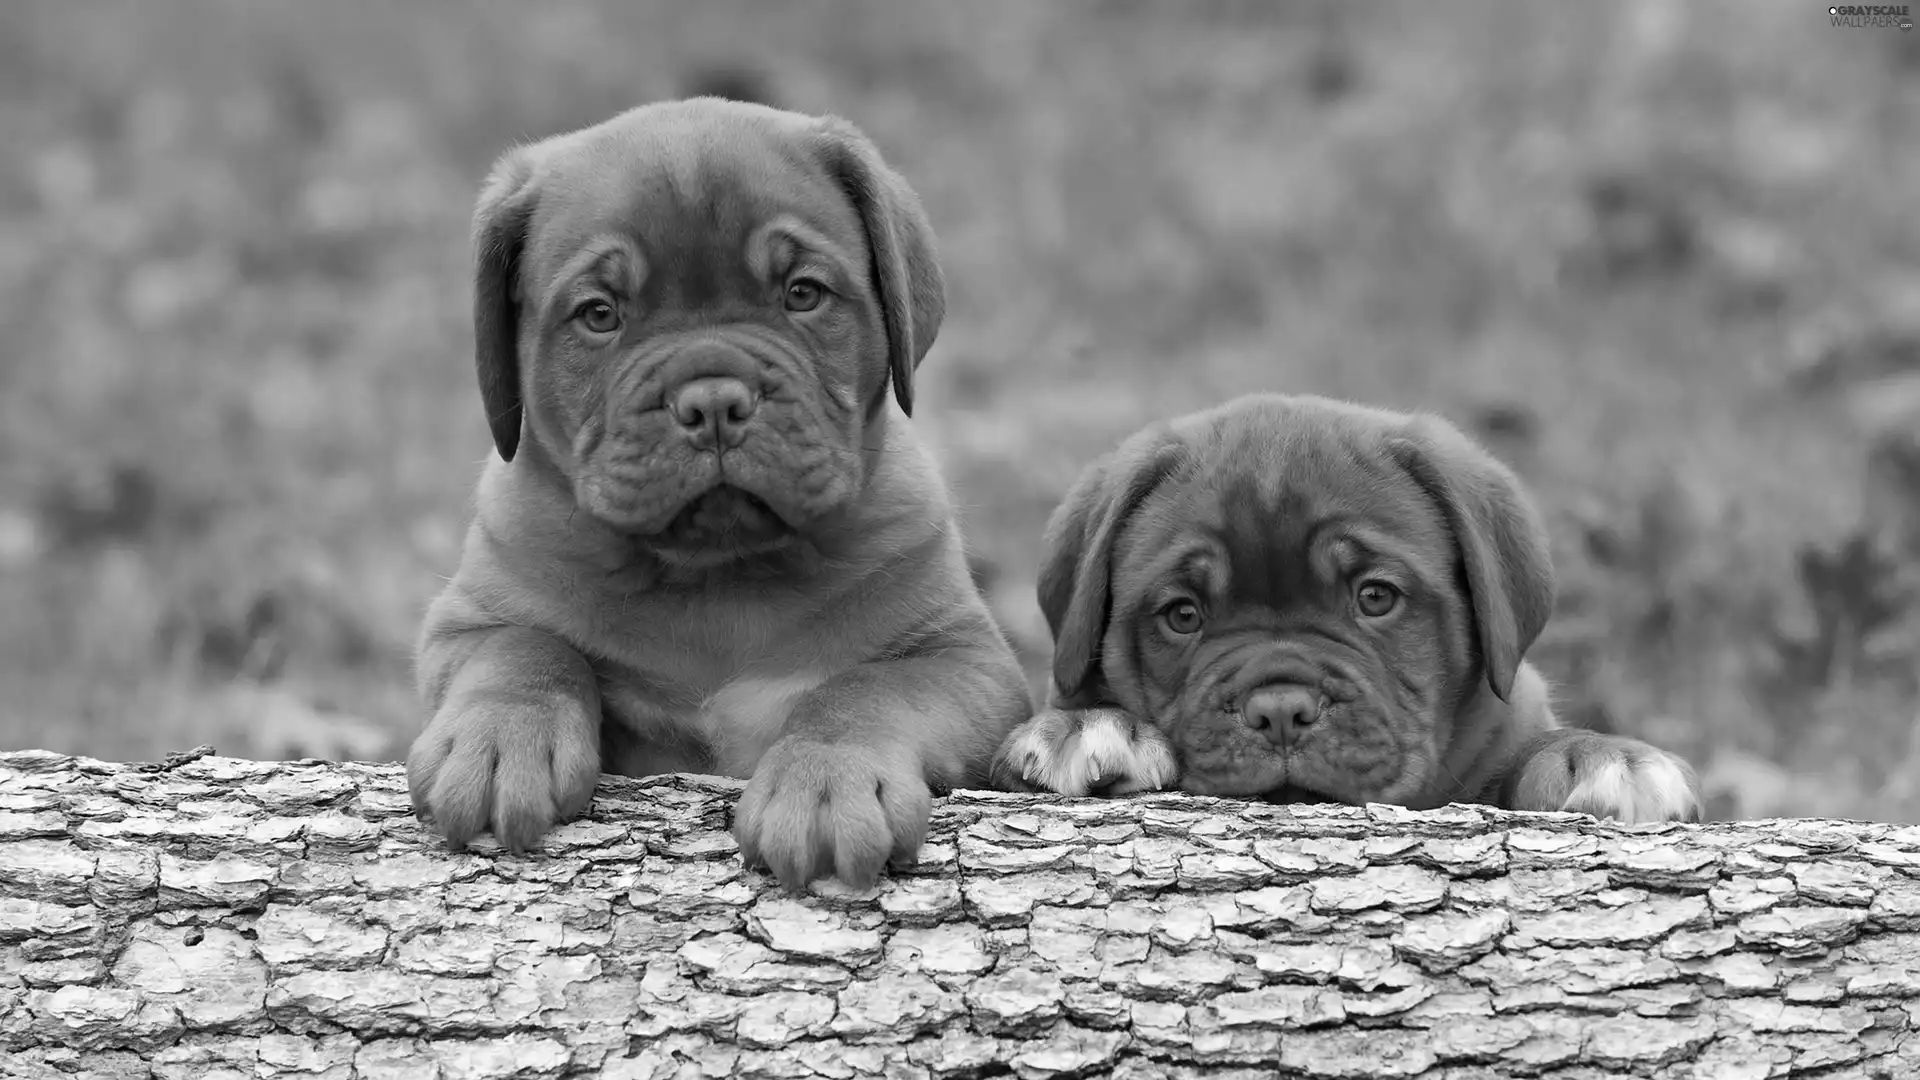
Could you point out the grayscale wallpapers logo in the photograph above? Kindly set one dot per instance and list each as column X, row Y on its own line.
column 1864, row 15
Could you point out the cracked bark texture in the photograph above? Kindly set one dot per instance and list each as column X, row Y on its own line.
column 218, row 918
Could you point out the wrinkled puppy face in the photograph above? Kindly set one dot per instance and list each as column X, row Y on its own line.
column 699, row 306
column 1289, row 597
column 1291, row 617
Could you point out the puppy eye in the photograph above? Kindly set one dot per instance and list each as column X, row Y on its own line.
column 598, row 317
column 804, row 294
column 1376, row 598
column 1181, row 616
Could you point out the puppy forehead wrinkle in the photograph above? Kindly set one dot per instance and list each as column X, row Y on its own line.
column 786, row 233
column 686, row 179
column 1198, row 564
column 1264, row 529
column 612, row 255
column 1194, row 564
column 1356, row 541
column 1298, row 493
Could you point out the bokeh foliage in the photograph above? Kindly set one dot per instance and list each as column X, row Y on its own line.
column 1663, row 257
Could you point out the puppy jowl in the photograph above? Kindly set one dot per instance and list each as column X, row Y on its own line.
column 1298, row 599
column 710, row 540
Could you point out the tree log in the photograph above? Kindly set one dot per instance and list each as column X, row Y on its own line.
column 214, row 918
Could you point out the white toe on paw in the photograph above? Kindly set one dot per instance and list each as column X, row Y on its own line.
column 1078, row 752
column 1635, row 785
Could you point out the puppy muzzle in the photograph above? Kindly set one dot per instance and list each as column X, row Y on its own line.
column 717, row 446
column 1281, row 722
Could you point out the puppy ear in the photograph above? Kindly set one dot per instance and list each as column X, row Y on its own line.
column 906, row 270
column 499, row 235
column 1076, row 576
column 1501, row 539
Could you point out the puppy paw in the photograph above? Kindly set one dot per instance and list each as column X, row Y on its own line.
column 511, row 766
column 1084, row 751
column 1608, row 776
column 814, row 809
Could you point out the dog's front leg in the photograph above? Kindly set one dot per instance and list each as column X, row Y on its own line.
column 514, row 742
column 1103, row 750
column 849, row 784
column 1608, row 776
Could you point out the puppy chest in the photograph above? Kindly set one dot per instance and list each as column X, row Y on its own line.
column 734, row 722
column 742, row 718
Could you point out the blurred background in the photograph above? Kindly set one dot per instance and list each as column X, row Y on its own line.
column 1664, row 258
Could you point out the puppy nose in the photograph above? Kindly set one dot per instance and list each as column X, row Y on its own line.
column 713, row 411
column 1280, row 710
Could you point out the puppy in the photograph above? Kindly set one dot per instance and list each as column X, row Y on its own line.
column 710, row 540
column 1299, row 599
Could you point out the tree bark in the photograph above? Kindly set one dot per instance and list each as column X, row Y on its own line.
column 218, row 918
